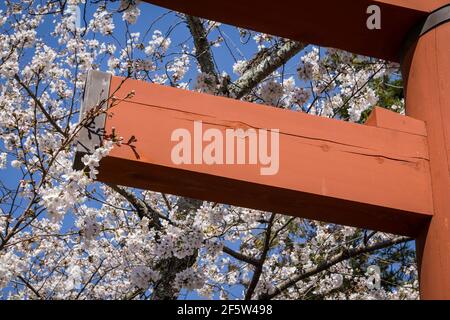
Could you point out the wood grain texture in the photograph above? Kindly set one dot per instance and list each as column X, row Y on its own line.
column 330, row 170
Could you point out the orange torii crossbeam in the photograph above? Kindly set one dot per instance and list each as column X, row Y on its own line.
column 391, row 174
column 332, row 23
column 374, row 176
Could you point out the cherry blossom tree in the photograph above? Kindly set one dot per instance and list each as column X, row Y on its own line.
column 65, row 236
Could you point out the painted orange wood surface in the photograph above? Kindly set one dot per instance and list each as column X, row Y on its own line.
column 426, row 71
column 329, row 170
column 339, row 24
column 384, row 118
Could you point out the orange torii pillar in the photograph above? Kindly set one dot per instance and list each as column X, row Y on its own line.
column 392, row 174
column 426, row 72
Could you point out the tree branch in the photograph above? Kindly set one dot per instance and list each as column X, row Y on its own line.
column 41, row 107
column 29, row 286
column 142, row 209
column 262, row 65
column 170, row 267
column 240, row 256
column 258, row 269
column 202, row 47
column 344, row 255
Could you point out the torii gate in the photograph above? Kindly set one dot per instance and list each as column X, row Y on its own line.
column 391, row 174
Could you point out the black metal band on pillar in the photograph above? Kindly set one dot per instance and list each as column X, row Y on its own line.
column 434, row 19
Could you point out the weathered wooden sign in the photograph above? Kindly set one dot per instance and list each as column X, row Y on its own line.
column 391, row 174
